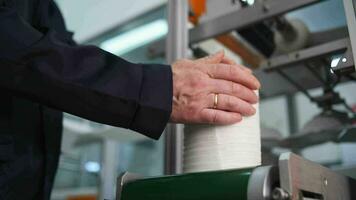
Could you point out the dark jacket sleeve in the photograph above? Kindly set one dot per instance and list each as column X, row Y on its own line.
column 82, row 80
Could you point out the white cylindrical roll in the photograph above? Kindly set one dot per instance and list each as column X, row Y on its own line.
column 208, row 147
column 301, row 39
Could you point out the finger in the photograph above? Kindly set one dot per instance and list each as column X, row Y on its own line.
column 233, row 73
column 229, row 61
column 231, row 104
column 245, row 68
column 219, row 117
column 234, row 89
column 212, row 59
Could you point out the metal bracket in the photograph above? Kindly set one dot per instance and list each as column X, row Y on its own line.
column 303, row 179
column 346, row 63
column 123, row 179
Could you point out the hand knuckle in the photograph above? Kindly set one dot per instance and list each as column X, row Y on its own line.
column 189, row 114
column 198, row 82
column 191, row 108
column 236, row 88
column 186, row 61
column 209, row 117
column 203, row 117
column 214, row 69
column 238, row 106
column 233, row 70
column 214, row 117
column 204, row 82
column 229, row 102
column 233, row 102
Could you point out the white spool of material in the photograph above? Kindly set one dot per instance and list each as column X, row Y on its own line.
column 301, row 39
column 208, row 147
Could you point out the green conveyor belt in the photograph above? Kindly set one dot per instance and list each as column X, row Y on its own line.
column 217, row 185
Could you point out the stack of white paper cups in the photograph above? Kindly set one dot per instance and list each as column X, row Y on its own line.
column 208, row 147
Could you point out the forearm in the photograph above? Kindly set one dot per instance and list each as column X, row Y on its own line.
column 85, row 80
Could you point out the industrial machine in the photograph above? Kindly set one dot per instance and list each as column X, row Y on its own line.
column 288, row 61
column 282, row 71
column 293, row 179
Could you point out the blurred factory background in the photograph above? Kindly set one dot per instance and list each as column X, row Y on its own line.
column 94, row 154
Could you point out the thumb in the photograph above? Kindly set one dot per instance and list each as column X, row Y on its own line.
column 213, row 59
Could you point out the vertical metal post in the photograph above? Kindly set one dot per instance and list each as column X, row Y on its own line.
column 177, row 46
column 350, row 13
column 292, row 113
column 108, row 171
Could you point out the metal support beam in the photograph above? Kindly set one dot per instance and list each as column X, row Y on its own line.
column 245, row 17
column 289, row 60
column 292, row 113
column 259, row 12
column 177, row 46
column 108, row 172
column 350, row 12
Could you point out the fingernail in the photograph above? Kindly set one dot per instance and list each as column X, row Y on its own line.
column 253, row 111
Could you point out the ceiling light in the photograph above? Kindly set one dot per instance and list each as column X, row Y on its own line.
column 135, row 38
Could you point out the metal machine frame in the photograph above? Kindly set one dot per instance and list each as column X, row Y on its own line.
column 303, row 179
column 251, row 15
column 349, row 6
column 259, row 12
column 294, row 178
column 177, row 46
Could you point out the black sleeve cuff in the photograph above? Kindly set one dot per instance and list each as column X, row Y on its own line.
column 155, row 106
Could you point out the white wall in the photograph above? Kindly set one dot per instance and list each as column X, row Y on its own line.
column 88, row 18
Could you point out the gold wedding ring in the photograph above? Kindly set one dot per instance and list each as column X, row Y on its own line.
column 216, row 97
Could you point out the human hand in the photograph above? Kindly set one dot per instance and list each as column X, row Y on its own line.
column 212, row 90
